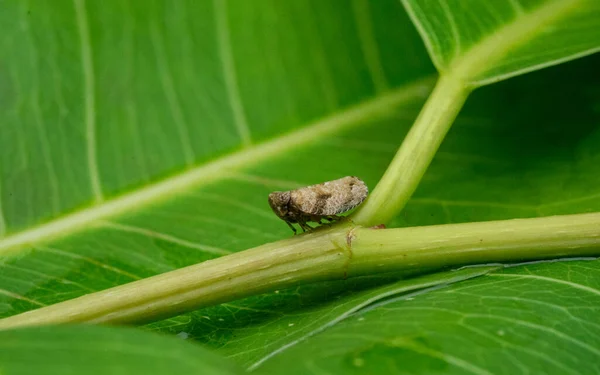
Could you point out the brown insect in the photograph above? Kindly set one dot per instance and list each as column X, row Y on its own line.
column 318, row 202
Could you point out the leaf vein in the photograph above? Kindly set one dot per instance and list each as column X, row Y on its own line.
column 229, row 74
column 165, row 237
column 90, row 98
column 505, row 343
column 214, row 170
column 20, row 297
column 539, row 327
column 166, row 79
column 453, row 28
column 549, row 279
column 368, row 43
column 90, row 260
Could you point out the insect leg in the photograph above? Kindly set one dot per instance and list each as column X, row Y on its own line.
column 305, row 227
column 291, row 226
column 325, row 220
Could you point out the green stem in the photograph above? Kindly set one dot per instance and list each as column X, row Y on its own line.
column 414, row 156
column 312, row 257
column 515, row 240
column 327, row 254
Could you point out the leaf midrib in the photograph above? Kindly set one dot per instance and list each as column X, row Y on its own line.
column 214, row 170
column 481, row 56
column 512, row 35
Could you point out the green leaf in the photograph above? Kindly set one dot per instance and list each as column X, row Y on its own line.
column 142, row 138
column 100, row 350
column 263, row 327
column 487, row 41
column 495, row 34
column 532, row 318
column 160, row 211
column 495, row 164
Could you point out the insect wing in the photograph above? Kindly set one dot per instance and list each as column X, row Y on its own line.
column 330, row 198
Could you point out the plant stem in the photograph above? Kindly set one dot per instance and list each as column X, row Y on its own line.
column 415, row 154
column 326, row 254
column 312, row 257
column 515, row 240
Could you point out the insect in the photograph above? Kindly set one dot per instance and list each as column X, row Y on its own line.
column 318, row 202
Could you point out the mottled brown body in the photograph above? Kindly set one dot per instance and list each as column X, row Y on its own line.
column 318, row 202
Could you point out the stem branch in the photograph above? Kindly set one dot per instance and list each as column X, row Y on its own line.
column 414, row 156
column 326, row 254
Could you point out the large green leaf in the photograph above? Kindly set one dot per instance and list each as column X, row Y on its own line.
column 531, row 319
column 99, row 350
column 140, row 137
column 485, row 41
column 159, row 210
column 89, row 105
column 254, row 330
column 487, row 173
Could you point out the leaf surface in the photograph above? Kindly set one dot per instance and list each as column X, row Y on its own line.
column 487, row 173
column 531, row 318
column 265, row 327
column 141, row 139
column 486, row 41
column 124, row 153
column 100, row 350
